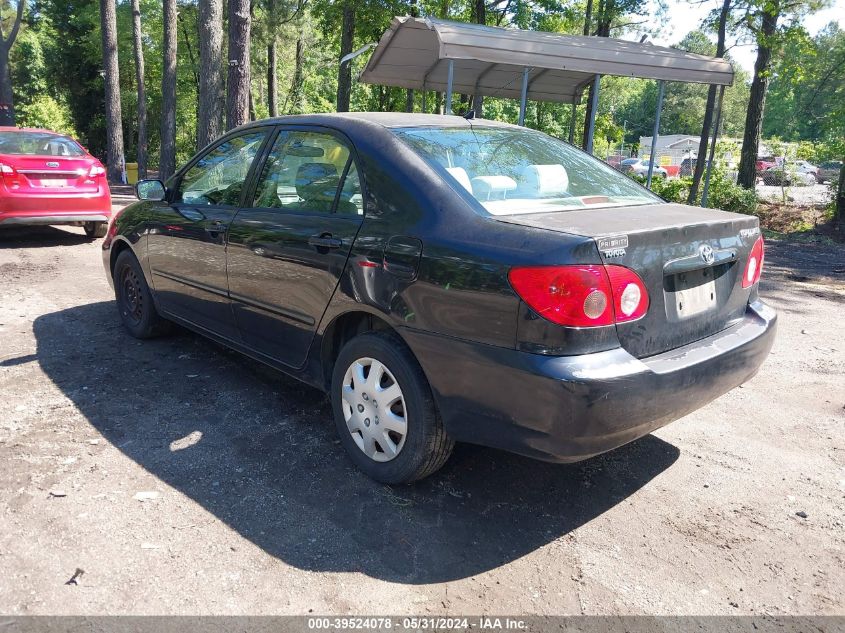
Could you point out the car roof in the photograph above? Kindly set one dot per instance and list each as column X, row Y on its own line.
column 9, row 128
column 384, row 119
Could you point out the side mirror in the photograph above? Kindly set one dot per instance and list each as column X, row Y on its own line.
column 150, row 190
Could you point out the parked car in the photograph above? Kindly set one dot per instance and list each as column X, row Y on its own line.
column 639, row 167
column 442, row 290
column 788, row 175
column 765, row 162
column 688, row 167
column 829, row 171
column 49, row 178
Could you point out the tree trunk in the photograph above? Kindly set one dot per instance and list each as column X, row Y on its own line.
column 708, row 109
column 840, row 199
column 756, row 103
column 294, row 96
column 237, row 97
column 7, row 101
column 588, row 17
column 210, row 94
column 344, row 73
column 167, row 156
column 480, row 15
column 272, row 81
column 588, row 93
column 114, row 120
column 138, row 45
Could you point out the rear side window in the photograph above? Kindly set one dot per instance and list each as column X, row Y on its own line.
column 303, row 172
column 39, row 144
column 515, row 170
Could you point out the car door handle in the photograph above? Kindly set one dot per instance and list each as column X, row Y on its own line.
column 325, row 240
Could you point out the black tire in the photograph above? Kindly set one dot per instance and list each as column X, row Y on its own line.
column 95, row 229
column 426, row 445
column 134, row 300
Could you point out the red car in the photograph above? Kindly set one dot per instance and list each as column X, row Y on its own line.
column 49, row 178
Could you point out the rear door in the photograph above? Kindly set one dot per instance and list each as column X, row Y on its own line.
column 187, row 242
column 289, row 245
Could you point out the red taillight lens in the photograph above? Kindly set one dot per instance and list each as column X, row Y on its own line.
column 7, row 169
column 96, row 170
column 754, row 265
column 587, row 295
column 577, row 296
column 630, row 297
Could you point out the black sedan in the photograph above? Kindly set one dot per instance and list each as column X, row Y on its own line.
column 447, row 280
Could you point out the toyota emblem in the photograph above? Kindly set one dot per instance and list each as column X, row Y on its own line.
column 707, row 254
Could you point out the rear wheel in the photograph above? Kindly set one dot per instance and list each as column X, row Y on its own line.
column 385, row 412
column 95, row 229
column 134, row 300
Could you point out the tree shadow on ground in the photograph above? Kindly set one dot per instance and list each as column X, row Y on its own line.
column 258, row 450
column 39, row 237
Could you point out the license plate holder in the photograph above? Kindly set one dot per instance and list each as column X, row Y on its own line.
column 692, row 293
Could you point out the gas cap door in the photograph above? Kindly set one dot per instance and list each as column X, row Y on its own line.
column 402, row 256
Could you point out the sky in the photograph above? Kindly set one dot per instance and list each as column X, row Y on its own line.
column 684, row 17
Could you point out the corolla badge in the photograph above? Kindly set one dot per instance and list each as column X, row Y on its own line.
column 707, row 254
column 52, row 163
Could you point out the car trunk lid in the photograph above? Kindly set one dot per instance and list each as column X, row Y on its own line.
column 690, row 259
column 50, row 174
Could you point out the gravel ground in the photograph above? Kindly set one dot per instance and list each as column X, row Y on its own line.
column 175, row 477
column 809, row 195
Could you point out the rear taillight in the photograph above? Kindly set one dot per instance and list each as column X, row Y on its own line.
column 630, row 297
column 587, row 295
column 10, row 176
column 96, row 170
column 754, row 265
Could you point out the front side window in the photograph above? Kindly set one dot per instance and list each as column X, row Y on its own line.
column 511, row 171
column 218, row 177
column 303, row 173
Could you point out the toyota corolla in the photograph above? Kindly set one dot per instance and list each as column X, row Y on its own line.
column 447, row 280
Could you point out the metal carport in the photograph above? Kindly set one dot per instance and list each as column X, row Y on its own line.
column 446, row 56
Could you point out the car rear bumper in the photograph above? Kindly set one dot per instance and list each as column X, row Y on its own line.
column 55, row 218
column 44, row 208
column 569, row 408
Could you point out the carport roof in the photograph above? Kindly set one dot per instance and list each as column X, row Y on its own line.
column 487, row 60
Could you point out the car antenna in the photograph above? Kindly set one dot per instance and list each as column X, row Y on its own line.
column 470, row 115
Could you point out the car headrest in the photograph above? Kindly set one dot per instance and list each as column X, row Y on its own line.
column 545, row 180
column 317, row 182
column 460, row 174
column 492, row 187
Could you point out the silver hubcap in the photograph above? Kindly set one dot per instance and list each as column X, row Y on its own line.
column 374, row 409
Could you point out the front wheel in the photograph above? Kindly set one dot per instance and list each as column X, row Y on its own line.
column 134, row 300
column 95, row 229
column 385, row 412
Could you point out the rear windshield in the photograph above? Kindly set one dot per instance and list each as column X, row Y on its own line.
column 511, row 171
column 38, row 144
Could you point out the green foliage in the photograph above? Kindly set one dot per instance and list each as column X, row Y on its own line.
column 45, row 112
column 726, row 195
column 806, row 99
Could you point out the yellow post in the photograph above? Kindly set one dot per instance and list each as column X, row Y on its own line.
column 131, row 173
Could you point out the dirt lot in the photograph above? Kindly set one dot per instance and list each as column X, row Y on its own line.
column 255, row 509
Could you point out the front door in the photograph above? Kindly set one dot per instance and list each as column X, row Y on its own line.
column 288, row 249
column 187, row 242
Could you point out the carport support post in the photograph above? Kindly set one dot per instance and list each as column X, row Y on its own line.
column 661, row 86
column 523, row 100
column 594, row 104
column 712, row 147
column 448, row 108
